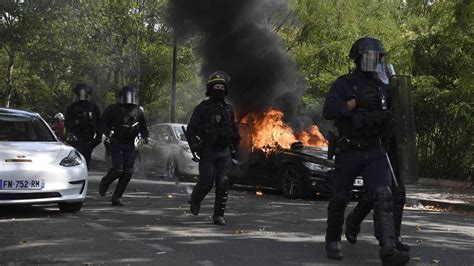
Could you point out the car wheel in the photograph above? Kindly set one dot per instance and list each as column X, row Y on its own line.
column 70, row 206
column 292, row 182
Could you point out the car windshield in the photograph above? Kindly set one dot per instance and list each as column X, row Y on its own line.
column 178, row 130
column 15, row 127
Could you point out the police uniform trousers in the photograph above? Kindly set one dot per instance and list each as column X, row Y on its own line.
column 85, row 147
column 214, row 167
column 123, row 160
column 373, row 165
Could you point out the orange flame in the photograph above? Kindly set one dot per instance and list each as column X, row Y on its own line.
column 269, row 132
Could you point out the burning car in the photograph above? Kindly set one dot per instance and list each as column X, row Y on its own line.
column 272, row 155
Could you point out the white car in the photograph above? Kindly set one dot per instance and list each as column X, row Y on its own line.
column 35, row 167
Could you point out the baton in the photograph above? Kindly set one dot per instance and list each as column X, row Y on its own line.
column 195, row 158
column 391, row 171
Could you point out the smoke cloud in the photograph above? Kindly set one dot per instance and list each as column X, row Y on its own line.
column 235, row 36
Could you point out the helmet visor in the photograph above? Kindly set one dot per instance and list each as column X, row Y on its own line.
column 130, row 97
column 369, row 60
column 82, row 95
column 382, row 73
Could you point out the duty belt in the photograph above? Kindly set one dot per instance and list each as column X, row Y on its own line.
column 360, row 144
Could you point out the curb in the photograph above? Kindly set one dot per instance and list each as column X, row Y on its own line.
column 441, row 204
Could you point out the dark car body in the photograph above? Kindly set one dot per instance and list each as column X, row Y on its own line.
column 297, row 172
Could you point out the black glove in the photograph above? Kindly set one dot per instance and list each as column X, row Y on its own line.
column 195, row 147
column 369, row 100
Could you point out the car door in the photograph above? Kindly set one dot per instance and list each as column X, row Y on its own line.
column 145, row 151
column 162, row 147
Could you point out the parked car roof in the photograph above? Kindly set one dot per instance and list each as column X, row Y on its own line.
column 17, row 112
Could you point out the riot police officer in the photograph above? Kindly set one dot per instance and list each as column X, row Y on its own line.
column 365, row 204
column 82, row 122
column 213, row 135
column 121, row 123
column 359, row 103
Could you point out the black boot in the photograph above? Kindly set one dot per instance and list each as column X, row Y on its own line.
column 120, row 188
column 384, row 229
column 117, row 202
column 352, row 229
column 336, row 207
column 219, row 220
column 355, row 218
column 333, row 250
column 222, row 190
column 108, row 179
column 199, row 193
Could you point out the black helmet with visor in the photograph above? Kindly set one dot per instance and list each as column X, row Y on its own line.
column 83, row 92
column 368, row 53
column 129, row 95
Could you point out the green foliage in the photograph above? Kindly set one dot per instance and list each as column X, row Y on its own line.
column 107, row 44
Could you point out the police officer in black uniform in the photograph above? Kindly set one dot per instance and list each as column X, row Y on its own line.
column 213, row 135
column 82, row 122
column 359, row 103
column 365, row 205
column 121, row 123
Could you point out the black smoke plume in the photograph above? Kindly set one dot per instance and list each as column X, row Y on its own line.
column 235, row 36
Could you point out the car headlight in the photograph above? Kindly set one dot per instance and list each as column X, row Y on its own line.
column 316, row 167
column 186, row 147
column 73, row 159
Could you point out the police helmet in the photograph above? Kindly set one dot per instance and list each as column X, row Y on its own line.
column 367, row 52
column 59, row 117
column 82, row 91
column 128, row 95
column 218, row 77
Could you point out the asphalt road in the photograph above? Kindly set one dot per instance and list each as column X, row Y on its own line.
column 156, row 228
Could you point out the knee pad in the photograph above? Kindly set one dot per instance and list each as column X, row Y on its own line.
column 223, row 182
column 383, row 199
column 204, row 186
column 339, row 201
column 117, row 173
column 127, row 175
column 383, row 193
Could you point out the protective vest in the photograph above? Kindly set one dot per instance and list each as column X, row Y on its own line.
column 366, row 123
column 125, row 122
column 84, row 120
column 216, row 124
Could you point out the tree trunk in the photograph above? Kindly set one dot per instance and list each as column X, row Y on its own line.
column 173, row 83
column 9, row 81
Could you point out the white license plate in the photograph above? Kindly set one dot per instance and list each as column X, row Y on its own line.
column 359, row 182
column 34, row 184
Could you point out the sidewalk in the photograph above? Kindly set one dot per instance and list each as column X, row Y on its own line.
column 450, row 195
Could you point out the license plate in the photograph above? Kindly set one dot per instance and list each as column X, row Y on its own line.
column 358, row 182
column 34, row 184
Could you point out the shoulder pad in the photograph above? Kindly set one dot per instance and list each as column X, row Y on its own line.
column 348, row 77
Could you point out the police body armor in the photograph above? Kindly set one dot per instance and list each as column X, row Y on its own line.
column 85, row 120
column 125, row 123
column 365, row 127
column 216, row 129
